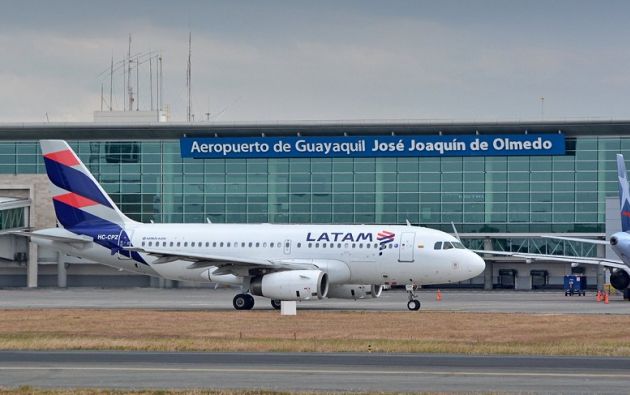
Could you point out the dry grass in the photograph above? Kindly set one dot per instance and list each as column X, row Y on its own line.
column 433, row 332
column 39, row 391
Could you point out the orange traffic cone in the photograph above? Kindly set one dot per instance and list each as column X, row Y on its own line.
column 606, row 297
column 599, row 296
column 438, row 297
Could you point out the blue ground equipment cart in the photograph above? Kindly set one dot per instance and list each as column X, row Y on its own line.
column 574, row 285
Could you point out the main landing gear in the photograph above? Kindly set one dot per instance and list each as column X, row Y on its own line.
column 243, row 302
column 413, row 304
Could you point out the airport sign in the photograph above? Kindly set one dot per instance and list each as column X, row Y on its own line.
column 372, row 146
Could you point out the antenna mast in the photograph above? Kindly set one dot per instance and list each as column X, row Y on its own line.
column 189, row 78
column 111, row 82
column 129, row 87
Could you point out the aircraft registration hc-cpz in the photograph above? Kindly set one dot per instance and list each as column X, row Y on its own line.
column 280, row 262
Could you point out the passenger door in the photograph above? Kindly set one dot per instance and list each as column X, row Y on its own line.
column 405, row 250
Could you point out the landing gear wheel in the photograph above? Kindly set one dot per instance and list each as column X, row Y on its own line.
column 243, row 302
column 276, row 304
column 413, row 305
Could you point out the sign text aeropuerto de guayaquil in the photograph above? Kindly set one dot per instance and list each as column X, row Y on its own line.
column 372, row 146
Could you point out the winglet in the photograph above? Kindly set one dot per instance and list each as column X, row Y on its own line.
column 624, row 193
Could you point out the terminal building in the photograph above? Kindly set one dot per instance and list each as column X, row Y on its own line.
column 495, row 201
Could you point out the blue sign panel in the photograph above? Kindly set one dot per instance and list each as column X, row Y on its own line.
column 372, row 146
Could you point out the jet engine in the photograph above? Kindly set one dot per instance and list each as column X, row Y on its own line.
column 354, row 291
column 291, row 285
column 620, row 279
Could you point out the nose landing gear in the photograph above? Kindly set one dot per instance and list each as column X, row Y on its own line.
column 413, row 304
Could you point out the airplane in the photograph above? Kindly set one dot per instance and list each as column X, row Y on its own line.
column 276, row 261
column 619, row 242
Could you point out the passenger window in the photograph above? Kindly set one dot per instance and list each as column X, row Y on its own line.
column 257, row 244
column 185, row 244
column 271, row 244
column 338, row 245
column 163, row 244
column 391, row 246
column 287, row 244
column 354, row 245
column 170, row 244
column 150, row 243
column 221, row 244
column 310, row 245
column 207, row 244
column 279, row 244
column 345, row 245
column 438, row 245
column 192, row 243
column 316, row 245
column 265, row 244
column 360, row 245
column 228, row 244
column 243, row 244
column 178, row 243
column 214, row 244
column 299, row 245
column 368, row 245
column 375, row 245
column 143, row 243
column 250, row 244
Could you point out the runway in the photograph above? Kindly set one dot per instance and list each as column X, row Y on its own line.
column 316, row 372
column 551, row 302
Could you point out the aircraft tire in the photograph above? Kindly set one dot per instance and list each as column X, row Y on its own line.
column 413, row 305
column 243, row 302
column 276, row 304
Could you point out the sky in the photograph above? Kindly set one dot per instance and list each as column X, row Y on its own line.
column 258, row 61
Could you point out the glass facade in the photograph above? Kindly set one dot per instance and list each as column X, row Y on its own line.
column 150, row 181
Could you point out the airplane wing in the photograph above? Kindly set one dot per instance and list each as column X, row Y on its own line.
column 222, row 262
column 591, row 241
column 617, row 264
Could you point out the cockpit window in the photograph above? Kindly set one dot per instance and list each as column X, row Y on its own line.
column 447, row 245
column 459, row 245
column 438, row 245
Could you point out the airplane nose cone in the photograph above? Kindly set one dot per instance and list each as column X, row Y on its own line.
column 476, row 264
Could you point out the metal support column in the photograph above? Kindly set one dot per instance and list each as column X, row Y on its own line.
column 31, row 266
column 62, row 274
column 488, row 278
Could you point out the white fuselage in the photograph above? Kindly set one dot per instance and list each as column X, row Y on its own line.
column 351, row 254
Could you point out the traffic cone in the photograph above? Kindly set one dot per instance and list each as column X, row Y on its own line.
column 599, row 296
column 605, row 297
column 438, row 297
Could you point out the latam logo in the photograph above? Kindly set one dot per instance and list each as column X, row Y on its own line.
column 339, row 236
column 384, row 238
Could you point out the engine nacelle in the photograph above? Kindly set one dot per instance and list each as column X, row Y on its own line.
column 620, row 279
column 291, row 285
column 354, row 291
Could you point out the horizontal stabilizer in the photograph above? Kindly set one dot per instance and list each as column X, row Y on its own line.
column 54, row 235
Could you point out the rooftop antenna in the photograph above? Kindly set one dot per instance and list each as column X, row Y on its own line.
column 151, row 80
column 137, row 83
column 189, row 78
column 161, row 103
column 542, row 108
column 129, row 88
column 101, row 96
column 111, row 82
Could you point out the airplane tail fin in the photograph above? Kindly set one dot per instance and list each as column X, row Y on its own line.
column 624, row 193
column 78, row 198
